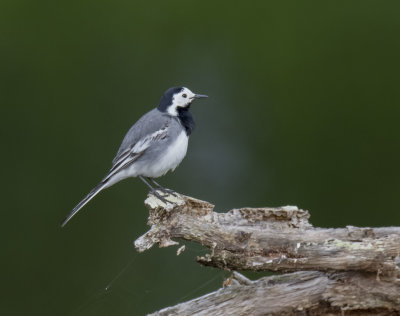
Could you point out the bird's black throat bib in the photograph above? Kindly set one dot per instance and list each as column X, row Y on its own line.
column 186, row 119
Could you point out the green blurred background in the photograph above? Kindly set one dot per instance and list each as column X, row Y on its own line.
column 303, row 110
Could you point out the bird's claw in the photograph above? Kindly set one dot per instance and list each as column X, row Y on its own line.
column 169, row 192
column 159, row 196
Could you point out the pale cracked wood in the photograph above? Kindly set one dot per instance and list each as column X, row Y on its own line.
column 299, row 293
column 275, row 239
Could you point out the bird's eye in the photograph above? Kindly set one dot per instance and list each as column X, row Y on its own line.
column 184, row 95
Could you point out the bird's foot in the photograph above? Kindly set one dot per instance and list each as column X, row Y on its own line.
column 168, row 192
column 164, row 190
column 159, row 196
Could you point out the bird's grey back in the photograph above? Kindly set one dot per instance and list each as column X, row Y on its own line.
column 149, row 123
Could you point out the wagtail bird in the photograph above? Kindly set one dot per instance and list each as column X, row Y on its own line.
column 155, row 144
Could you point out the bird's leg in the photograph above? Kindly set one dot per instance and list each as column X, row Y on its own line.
column 172, row 192
column 153, row 191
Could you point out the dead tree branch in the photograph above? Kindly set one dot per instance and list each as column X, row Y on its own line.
column 344, row 263
column 276, row 239
column 299, row 293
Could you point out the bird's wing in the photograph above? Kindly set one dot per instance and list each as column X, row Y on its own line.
column 148, row 124
column 132, row 153
column 149, row 128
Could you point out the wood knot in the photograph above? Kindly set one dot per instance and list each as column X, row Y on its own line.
column 242, row 236
column 357, row 233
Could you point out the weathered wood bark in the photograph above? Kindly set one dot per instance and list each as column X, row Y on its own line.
column 349, row 260
column 299, row 293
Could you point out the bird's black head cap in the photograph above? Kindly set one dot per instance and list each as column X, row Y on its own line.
column 166, row 99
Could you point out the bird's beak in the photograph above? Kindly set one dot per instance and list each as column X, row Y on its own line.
column 199, row 96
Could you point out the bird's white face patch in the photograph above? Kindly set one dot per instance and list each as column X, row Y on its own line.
column 181, row 99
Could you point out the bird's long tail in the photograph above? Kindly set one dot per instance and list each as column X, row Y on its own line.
column 82, row 203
